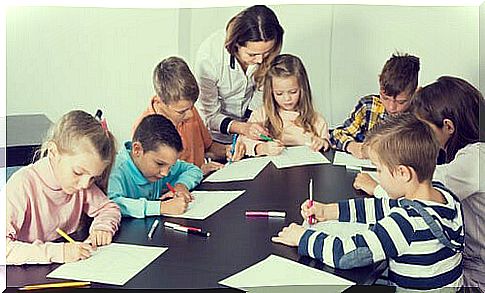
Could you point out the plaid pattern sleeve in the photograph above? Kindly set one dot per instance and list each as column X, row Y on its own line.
column 365, row 115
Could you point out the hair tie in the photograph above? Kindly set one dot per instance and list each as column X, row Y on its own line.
column 103, row 122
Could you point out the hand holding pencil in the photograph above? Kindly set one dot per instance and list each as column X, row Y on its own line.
column 74, row 251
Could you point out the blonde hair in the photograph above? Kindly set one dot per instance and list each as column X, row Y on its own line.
column 257, row 23
column 284, row 66
column 76, row 126
column 173, row 81
column 404, row 140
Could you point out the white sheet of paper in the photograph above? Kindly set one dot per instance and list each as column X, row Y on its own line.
column 344, row 159
column 279, row 271
column 298, row 156
column 206, row 203
column 342, row 229
column 113, row 264
column 246, row 169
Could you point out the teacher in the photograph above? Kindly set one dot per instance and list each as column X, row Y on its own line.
column 230, row 68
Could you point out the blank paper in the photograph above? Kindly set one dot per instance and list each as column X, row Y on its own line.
column 113, row 264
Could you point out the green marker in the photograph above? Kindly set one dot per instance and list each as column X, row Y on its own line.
column 265, row 138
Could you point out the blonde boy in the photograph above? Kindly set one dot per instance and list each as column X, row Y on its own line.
column 176, row 92
column 419, row 230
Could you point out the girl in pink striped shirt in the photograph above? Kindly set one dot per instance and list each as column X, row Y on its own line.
column 69, row 179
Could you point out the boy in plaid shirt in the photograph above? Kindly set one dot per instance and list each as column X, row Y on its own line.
column 398, row 82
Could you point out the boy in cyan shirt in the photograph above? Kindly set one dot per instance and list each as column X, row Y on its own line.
column 138, row 181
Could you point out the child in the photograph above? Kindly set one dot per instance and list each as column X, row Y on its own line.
column 144, row 168
column 70, row 178
column 420, row 234
column 451, row 106
column 176, row 92
column 398, row 81
column 288, row 112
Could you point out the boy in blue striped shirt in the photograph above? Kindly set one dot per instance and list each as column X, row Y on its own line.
column 418, row 230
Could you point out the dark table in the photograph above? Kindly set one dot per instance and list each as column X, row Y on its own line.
column 236, row 241
column 25, row 134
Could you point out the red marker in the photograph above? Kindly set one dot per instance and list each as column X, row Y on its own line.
column 311, row 219
column 190, row 231
column 170, row 187
column 173, row 225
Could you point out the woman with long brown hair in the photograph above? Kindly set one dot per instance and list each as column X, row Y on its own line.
column 230, row 68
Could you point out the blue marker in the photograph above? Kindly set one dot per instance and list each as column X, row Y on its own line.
column 233, row 147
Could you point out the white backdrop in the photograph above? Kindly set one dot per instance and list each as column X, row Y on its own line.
column 61, row 58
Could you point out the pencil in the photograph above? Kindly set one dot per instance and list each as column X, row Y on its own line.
column 55, row 285
column 63, row 234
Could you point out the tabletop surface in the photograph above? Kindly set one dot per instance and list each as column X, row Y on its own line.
column 236, row 241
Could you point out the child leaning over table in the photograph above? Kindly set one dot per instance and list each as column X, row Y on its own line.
column 420, row 234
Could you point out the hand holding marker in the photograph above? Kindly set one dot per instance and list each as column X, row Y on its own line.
column 311, row 219
column 233, row 147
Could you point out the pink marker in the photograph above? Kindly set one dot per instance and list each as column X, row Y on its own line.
column 311, row 219
column 265, row 214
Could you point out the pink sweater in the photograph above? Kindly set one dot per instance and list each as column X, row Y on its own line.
column 293, row 135
column 37, row 206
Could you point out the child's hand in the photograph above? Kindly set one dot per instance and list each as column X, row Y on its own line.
column 290, row 235
column 182, row 191
column 175, row 206
column 270, row 148
column 76, row 251
column 322, row 212
column 239, row 151
column 211, row 166
column 356, row 149
column 253, row 130
column 365, row 182
column 99, row 238
column 318, row 143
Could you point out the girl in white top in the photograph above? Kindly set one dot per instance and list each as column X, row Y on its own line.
column 288, row 112
column 230, row 68
column 451, row 106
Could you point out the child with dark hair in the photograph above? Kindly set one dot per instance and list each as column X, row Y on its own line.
column 452, row 107
column 143, row 168
column 398, row 81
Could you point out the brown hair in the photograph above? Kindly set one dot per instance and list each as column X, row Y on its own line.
column 173, row 81
column 399, row 75
column 403, row 139
column 76, row 126
column 284, row 66
column 454, row 99
column 255, row 24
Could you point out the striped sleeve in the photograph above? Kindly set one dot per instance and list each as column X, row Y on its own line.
column 365, row 210
column 342, row 135
column 390, row 237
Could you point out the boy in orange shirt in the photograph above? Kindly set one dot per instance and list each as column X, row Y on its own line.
column 176, row 92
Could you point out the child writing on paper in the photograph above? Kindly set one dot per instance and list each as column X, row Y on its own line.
column 68, row 180
column 145, row 165
column 419, row 231
column 288, row 112
column 176, row 92
column 452, row 107
column 397, row 82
